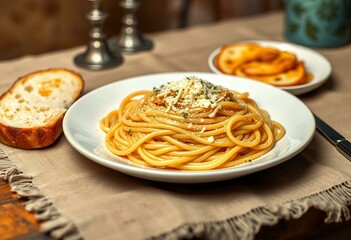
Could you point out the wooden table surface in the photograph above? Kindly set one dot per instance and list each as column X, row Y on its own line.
column 17, row 223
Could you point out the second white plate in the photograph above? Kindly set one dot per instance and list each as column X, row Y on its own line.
column 315, row 63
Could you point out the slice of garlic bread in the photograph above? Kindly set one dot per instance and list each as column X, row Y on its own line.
column 291, row 77
column 232, row 56
column 32, row 110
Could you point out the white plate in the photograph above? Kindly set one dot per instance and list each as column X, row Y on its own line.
column 315, row 63
column 81, row 126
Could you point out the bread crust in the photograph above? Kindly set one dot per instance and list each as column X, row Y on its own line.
column 36, row 137
column 31, row 138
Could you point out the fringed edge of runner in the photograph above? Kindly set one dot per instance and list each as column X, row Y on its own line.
column 51, row 220
column 333, row 201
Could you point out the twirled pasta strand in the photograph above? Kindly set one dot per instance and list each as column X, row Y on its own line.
column 149, row 135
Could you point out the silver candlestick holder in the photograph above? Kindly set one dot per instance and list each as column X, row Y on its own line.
column 97, row 55
column 129, row 39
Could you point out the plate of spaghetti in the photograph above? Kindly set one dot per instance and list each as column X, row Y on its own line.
column 188, row 127
column 288, row 66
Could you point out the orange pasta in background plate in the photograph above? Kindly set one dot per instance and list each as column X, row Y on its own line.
column 191, row 125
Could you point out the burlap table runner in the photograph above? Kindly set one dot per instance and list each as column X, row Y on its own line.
column 74, row 197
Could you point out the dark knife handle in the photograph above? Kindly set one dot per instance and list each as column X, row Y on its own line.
column 344, row 147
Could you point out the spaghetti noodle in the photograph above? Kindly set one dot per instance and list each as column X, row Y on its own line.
column 190, row 124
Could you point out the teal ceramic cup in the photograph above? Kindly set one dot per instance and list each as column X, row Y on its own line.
column 318, row 23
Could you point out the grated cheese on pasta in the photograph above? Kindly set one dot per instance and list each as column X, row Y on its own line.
column 191, row 92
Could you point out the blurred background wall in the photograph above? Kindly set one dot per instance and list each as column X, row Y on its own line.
column 38, row 26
